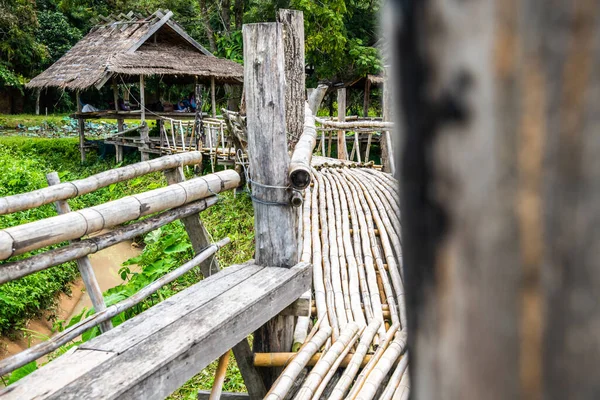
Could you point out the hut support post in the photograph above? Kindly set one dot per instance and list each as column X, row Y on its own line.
column 342, row 151
column 116, row 100
column 213, row 100
column 198, row 127
column 83, row 264
column 387, row 156
column 367, row 97
column 38, row 93
column 274, row 217
column 144, row 129
column 293, row 26
column 81, row 126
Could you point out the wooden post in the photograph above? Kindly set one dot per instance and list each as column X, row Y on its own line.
column 274, row 218
column 144, row 130
column 198, row 126
column 116, row 100
column 213, row 100
column 81, row 126
column 367, row 97
column 83, row 264
column 342, row 151
column 293, row 27
column 387, row 154
column 38, row 93
column 142, row 100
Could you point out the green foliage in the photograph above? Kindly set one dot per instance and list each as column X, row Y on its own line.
column 231, row 46
column 56, row 34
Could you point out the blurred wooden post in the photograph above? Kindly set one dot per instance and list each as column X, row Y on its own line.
column 144, row 130
column 213, row 100
column 198, row 127
column 83, row 264
column 295, row 98
column 81, row 126
column 367, row 96
column 38, row 93
column 116, row 100
column 342, row 151
column 387, row 154
column 274, row 217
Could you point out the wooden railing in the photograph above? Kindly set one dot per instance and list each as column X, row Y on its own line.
column 180, row 200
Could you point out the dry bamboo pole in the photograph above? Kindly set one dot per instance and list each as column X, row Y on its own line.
column 343, row 267
column 33, row 353
column 354, row 248
column 182, row 135
column 390, row 191
column 329, row 293
column 36, row 235
column 367, row 250
column 299, row 170
column 389, row 336
column 217, row 389
column 403, row 390
column 18, row 269
column 368, row 149
column 332, row 370
column 83, row 264
column 317, row 259
column 278, row 360
column 172, row 123
column 357, row 359
column 353, row 288
column 380, row 215
column 285, row 381
column 69, row 190
column 369, row 209
column 354, row 124
column 334, row 260
column 319, row 371
column 323, row 143
column 383, row 367
column 395, row 379
column 330, row 144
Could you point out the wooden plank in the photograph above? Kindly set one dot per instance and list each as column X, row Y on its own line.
column 293, row 43
column 204, row 395
column 158, row 365
column 300, row 307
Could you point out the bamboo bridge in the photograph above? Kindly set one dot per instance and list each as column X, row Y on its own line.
column 323, row 297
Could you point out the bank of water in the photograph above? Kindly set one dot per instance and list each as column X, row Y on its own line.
column 106, row 264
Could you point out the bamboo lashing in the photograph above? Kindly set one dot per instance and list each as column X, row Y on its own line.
column 36, row 235
column 69, row 190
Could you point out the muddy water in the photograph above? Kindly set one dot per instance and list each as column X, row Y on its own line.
column 106, row 264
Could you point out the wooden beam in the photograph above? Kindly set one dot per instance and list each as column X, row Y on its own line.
column 274, row 218
column 293, row 43
column 342, row 151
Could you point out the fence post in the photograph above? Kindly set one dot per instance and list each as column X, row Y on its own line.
column 342, row 151
column 83, row 264
column 274, row 217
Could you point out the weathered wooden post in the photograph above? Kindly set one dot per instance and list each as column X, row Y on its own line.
column 213, row 100
column 83, row 264
column 387, row 154
column 367, row 97
column 293, row 28
column 342, row 151
column 274, row 217
column 144, row 130
column 38, row 93
column 198, row 126
column 81, row 126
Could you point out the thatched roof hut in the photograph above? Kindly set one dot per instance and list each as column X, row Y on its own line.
column 132, row 45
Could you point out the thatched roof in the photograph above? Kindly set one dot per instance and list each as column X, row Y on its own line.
column 135, row 45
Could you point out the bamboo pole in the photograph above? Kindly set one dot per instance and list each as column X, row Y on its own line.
column 299, row 170
column 342, row 151
column 358, row 359
column 395, row 379
column 295, row 365
column 215, row 393
column 403, row 390
column 381, row 369
column 33, row 353
column 69, row 190
column 317, row 259
column 269, row 360
column 83, row 263
column 315, row 377
column 354, row 124
column 18, row 269
column 389, row 336
column 36, row 235
column 213, row 100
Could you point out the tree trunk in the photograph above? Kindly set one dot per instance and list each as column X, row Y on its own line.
column 204, row 15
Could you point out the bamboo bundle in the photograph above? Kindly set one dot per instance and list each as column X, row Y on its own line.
column 69, row 190
column 329, row 293
column 334, row 260
column 356, row 254
column 36, row 235
column 33, row 353
column 317, row 259
column 383, row 223
column 369, row 267
column 403, row 390
column 395, row 379
column 381, row 369
column 351, row 264
column 285, row 381
column 368, row 214
column 355, row 363
column 355, row 124
column 343, row 268
column 299, row 169
column 389, row 336
column 315, row 377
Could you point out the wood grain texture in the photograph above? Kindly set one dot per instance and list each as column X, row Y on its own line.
column 342, row 151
